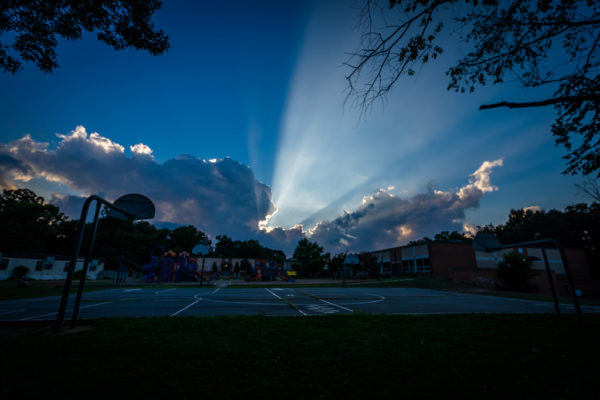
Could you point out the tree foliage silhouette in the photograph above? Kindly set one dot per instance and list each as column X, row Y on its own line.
column 515, row 272
column 36, row 26
column 27, row 222
column 310, row 257
column 519, row 39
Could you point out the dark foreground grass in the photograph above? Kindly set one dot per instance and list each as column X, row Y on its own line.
column 359, row 356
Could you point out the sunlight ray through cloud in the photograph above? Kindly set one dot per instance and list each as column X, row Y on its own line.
column 222, row 196
column 317, row 157
column 326, row 149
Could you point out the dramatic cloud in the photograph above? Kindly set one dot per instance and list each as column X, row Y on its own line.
column 532, row 209
column 217, row 196
column 480, row 180
column 141, row 149
column 384, row 220
column 10, row 166
column 98, row 142
column 222, row 196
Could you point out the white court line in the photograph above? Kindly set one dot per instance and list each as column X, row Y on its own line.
column 66, row 311
column 215, row 291
column 131, row 290
column 184, row 308
column 273, row 294
column 381, row 298
column 301, row 312
column 240, row 302
column 295, row 307
column 336, row 305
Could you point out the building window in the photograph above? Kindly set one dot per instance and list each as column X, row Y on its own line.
column 4, row 263
column 39, row 265
column 409, row 266
column 423, row 265
column 427, row 265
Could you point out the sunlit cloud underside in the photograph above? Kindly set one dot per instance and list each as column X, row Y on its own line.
column 222, row 196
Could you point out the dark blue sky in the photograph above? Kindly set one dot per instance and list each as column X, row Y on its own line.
column 228, row 69
column 263, row 84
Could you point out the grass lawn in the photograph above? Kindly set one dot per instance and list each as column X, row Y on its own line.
column 357, row 356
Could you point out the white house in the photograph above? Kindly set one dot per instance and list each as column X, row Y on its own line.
column 45, row 267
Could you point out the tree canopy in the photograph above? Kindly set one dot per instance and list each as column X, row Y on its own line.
column 184, row 238
column 37, row 25
column 310, row 257
column 444, row 236
column 28, row 223
column 543, row 43
column 577, row 226
column 229, row 248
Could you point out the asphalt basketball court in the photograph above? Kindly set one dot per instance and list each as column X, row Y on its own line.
column 149, row 301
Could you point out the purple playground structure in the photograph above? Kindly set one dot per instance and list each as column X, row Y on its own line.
column 169, row 266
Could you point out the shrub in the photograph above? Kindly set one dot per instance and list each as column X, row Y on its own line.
column 515, row 272
column 245, row 266
column 19, row 272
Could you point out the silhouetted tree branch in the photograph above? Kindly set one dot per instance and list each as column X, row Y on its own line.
column 541, row 103
column 37, row 25
column 515, row 37
column 590, row 188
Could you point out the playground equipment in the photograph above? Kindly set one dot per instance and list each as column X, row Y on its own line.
column 266, row 271
column 255, row 274
column 150, row 270
column 290, row 276
column 269, row 271
column 169, row 266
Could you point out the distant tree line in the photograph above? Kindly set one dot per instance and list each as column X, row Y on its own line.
column 229, row 248
column 578, row 226
column 29, row 224
column 310, row 261
column 444, row 236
